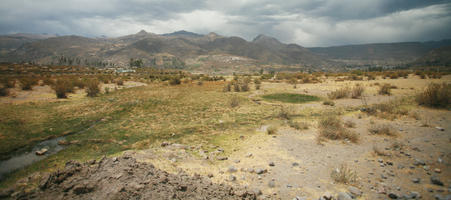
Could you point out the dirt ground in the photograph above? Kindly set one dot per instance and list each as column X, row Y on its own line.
column 288, row 165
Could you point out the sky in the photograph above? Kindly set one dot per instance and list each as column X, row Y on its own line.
column 308, row 23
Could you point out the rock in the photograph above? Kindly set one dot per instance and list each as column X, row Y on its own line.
column 232, row 178
column 249, row 155
column 299, row 198
column 326, row 196
column 295, row 164
column 416, row 180
column 440, row 128
column 232, row 169
column 260, row 171
column 418, row 162
column 210, row 175
column 163, row 144
column 354, row 191
column 222, row 158
column 414, row 195
column 343, row 196
column 250, row 170
column 393, row 196
column 236, row 161
column 257, row 191
column 179, row 146
column 436, row 181
column 437, row 170
column 271, row 164
column 426, row 168
column 271, row 184
column 41, row 152
column 63, row 142
column 82, row 189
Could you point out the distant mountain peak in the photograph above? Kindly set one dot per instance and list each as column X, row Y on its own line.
column 142, row 32
column 183, row 33
column 262, row 37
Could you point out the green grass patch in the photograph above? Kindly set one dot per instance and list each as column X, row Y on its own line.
column 290, row 97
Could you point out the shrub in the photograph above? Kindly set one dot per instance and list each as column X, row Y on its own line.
column 340, row 93
column 329, row 102
column 175, row 81
column 257, row 86
column 92, row 88
column 357, row 91
column 383, row 129
column 244, row 87
column 48, row 81
column 435, row 95
column 236, row 87
column 331, row 127
column 271, row 130
column 62, row 87
column 28, row 83
column 200, row 83
column 298, row 125
column 4, row 91
column 8, row 82
column 385, row 89
column 78, row 83
column 234, row 101
column 227, row 87
column 350, row 124
column 344, row 175
column 119, row 82
column 285, row 113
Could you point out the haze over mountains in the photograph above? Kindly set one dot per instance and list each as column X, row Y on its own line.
column 182, row 49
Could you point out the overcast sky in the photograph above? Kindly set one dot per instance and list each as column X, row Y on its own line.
column 305, row 22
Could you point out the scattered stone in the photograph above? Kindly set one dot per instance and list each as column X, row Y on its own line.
column 295, row 164
column 299, row 198
column 436, row 181
column 418, row 162
column 437, row 170
column 271, row 184
column 430, row 190
column 257, row 191
column 222, row 158
column 414, row 195
column 271, row 164
column 163, row 144
column 232, row 178
column 41, row 152
column 440, row 128
column 249, row 155
column 426, row 168
column 393, row 196
column 326, row 196
column 416, row 180
column 63, row 142
column 236, row 161
column 343, row 196
column 260, row 171
column 250, row 170
column 210, row 175
column 232, row 169
column 82, row 189
column 439, row 160
column 354, row 191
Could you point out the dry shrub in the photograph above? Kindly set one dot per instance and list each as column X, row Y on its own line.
column 329, row 102
column 62, row 87
column 119, row 82
column 244, row 87
column 298, row 125
column 382, row 129
column 340, row 93
column 48, row 81
column 92, row 88
column 390, row 110
column 350, row 124
column 4, row 91
column 227, row 87
column 379, row 151
column 331, row 127
column 175, row 81
column 271, row 130
column 234, row 101
column 385, row 89
column 257, row 86
column 344, row 174
column 28, row 83
column 435, row 95
column 285, row 112
column 78, row 83
column 8, row 82
column 357, row 91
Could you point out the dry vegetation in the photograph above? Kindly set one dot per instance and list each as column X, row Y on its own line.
column 331, row 127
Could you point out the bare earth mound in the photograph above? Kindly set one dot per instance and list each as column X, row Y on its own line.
column 125, row 178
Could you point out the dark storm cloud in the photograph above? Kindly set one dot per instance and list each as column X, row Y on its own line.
column 306, row 22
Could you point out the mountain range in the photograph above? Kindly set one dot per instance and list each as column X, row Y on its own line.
column 183, row 49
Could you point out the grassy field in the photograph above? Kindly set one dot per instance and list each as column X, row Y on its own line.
column 290, row 97
column 132, row 118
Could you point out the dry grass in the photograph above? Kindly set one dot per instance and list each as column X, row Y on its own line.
column 357, row 91
column 234, row 101
column 298, row 125
column 350, row 124
column 385, row 89
column 435, row 95
column 339, row 94
column 271, row 130
column 92, row 88
column 344, row 174
column 329, row 102
column 383, row 129
column 331, row 127
column 27, row 83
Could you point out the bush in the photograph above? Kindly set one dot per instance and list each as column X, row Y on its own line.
column 92, row 88
column 343, row 175
column 357, row 91
column 271, row 130
column 298, row 125
column 119, row 82
column 48, row 81
column 175, row 81
column 329, row 102
column 234, row 102
column 28, row 83
column 285, row 113
column 384, row 129
column 78, row 83
column 227, row 87
column 385, row 89
column 244, row 87
column 4, row 91
column 350, row 124
column 435, row 95
column 8, row 82
column 62, row 87
column 331, row 127
column 257, row 86
column 340, row 93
